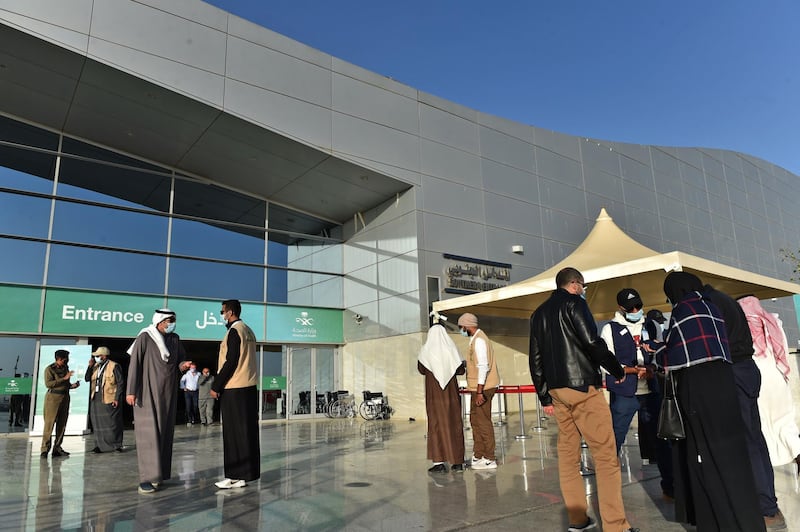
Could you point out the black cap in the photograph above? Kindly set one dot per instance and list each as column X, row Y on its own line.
column 656, row 315
column 628, row 298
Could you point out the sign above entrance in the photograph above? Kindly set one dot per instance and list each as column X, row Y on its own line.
column 97, row 313
column 304, row 325
column 464, row 275
column 83, row 313
column 199, row 319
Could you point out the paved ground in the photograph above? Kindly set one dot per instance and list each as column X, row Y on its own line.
column 327, row 475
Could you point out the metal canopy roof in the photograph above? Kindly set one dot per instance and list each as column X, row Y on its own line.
column 50, row 85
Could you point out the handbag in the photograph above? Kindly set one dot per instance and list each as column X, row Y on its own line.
column 670, row 420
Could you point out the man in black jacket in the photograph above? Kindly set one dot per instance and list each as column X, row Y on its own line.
column 565, row 358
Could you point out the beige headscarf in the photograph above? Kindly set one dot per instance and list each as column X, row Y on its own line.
column 440, row 355
column 468, row 320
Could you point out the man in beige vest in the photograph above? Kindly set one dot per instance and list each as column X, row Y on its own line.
column 482, row 382
column 235, row 387
column 105, row 401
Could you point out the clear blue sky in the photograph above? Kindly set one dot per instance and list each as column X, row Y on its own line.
column 717, row 73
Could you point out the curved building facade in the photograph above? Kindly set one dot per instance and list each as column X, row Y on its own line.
column 165, row 152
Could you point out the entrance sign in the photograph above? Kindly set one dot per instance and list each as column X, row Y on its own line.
column 199, row 319
column 104, row 314
column 97, row 313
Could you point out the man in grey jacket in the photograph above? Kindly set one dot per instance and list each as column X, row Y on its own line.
column 206, row 401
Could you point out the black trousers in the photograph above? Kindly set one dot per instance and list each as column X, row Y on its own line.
column 240, row 426
column 714, row 485
column 748, row 386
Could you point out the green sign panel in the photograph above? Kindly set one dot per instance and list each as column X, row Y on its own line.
column 97, row 313
column 304, row 325
column 82, row 313
column 273, row 382
column 199, row 319
column 16, row 386
column 19, row 306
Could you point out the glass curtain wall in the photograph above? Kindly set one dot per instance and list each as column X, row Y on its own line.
column 76, row 215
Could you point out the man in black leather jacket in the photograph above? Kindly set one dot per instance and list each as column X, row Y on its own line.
column 565, row 358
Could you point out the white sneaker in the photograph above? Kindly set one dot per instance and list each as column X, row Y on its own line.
column 485, row 463
column 230, row 483
column 474, row 460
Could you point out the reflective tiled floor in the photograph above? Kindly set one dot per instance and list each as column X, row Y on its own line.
column 326, row 475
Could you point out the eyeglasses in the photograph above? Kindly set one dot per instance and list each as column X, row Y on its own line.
column 222, row 312
column 171, row 319
column 583, row 285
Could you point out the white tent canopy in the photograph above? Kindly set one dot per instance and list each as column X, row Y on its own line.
column 610, row 260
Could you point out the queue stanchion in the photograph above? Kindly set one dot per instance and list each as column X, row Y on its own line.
column 539, row 417
column 521, row 435
column 586, row 470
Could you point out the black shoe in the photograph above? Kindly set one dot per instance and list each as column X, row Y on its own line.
column 61, row 452
column 438, row 468
column 97, row 450
column 119, row 450
column 44, row 455
column 457, row 468
column 588, row 525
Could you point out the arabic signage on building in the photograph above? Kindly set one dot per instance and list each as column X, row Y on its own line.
column 464, row 275
column 82, row 313
column 304, row 325
column 16, row 386
column 200, row 319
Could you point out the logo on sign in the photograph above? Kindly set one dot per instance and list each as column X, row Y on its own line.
column 306, row 328
column 304, row 320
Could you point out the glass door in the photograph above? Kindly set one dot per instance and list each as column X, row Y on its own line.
column 311, row 380
column 273, row 382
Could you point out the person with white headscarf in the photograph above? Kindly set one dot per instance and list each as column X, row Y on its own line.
column 440, row 362
column 157, row 356
column 775, row 400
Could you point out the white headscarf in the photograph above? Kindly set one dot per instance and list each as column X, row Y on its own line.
column 440, row 355
column 152, row 331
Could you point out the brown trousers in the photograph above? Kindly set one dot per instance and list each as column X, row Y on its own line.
column 480, row 419
column 588, row 415
column 56, row 412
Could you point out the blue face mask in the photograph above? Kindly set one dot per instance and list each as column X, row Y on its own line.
column 583, row 295
column 170, row 327
column 464, row 333
column 633, row 317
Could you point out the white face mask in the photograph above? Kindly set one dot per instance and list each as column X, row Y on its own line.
column 464, row 333
column 170, row 327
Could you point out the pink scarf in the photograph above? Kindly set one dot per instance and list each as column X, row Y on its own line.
column 765, row 327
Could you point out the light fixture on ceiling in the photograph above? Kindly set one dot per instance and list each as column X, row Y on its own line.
column 518, row 249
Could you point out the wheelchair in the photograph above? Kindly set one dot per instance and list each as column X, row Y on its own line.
column 375, row 406
column 342, row 405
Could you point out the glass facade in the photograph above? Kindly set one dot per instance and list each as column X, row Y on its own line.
column 76, row 215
